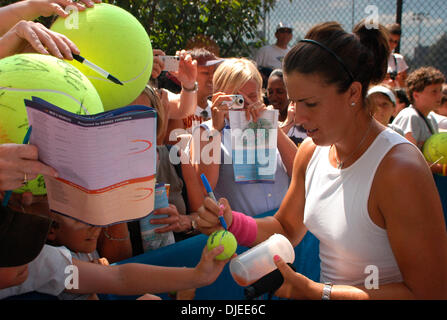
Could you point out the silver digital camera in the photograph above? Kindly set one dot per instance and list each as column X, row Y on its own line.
column 237, row 102
column 171, row 63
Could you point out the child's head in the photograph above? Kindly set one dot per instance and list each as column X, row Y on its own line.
column 65, row 231
column 382, row 102
column 424, row 87
column 276, row 90
column 75, row 235
column 22, row 237
column 206, row 65
column 395, row 33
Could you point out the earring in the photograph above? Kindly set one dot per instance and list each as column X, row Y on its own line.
column 352, row 104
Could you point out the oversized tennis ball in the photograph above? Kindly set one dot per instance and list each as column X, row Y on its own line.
column 23, row 76
column 113, row 39
column 225, row 238
column 435, row 148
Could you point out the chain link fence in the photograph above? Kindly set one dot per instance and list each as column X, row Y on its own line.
column 424, row 23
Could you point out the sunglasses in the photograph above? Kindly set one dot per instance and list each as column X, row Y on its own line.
column 284, row 30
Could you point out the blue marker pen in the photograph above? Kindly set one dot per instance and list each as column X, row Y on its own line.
column 212, row 196
column 9, row 192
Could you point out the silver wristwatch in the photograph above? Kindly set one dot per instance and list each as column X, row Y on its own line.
column 196, row 87
column 327, row 291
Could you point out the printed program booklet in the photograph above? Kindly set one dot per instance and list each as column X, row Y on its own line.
column 106, row 162
column 254, row 147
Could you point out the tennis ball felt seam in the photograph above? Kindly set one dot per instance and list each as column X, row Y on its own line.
column 221, row 237
column 217, row 238
column 46, row 90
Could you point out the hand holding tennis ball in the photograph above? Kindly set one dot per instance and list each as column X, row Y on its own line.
column 225, row 238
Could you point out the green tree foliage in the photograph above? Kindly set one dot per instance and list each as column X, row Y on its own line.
column 232, row 24
column 170, row 24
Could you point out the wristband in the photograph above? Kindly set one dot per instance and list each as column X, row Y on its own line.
column 244, row 228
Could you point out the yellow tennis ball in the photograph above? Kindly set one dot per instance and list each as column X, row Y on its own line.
column 23, row 76
column 435, row 148
column 225, row 238
column 113, row 39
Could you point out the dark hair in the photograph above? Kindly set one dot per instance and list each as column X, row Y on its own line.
column 444, row 99
column 402, row 96
column 276, row 73
column 364, row 53
column 202, row 55
column 421, row 78
column 394, row 28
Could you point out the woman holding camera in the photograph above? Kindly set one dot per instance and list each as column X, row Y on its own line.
column 239, row 76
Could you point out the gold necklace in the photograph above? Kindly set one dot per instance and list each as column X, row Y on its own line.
column 341, row 163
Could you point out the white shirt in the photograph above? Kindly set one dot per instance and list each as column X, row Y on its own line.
column 336, row 212
column 46, row 273
column 271, row 56
column 401, row 64
column 409, row 120
column 440, row 120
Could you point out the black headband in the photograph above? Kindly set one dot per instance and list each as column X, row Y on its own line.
column 333, row 54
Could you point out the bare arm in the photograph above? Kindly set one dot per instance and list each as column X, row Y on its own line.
column 405, row 202
column 193, row 186
column 33, row 9
column 134, row 278
column 288, row 150
column 114, row 243
column 184, row 104
column 180, row 105
column 410, row 204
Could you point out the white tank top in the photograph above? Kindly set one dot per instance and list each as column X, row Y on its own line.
column 336, row 212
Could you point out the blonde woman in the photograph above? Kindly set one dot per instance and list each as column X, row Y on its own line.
column 240, row 76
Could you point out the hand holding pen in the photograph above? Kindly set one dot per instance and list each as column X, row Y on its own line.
column 210, row 193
